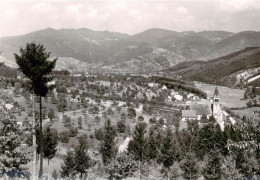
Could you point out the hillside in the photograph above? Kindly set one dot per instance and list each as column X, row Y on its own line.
column 216, row 36
column 154, row 49
column 234, row 43
column 221, row 70
column 82, row 44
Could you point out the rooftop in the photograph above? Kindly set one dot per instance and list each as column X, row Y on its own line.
column 188, row 113
column 201, row 109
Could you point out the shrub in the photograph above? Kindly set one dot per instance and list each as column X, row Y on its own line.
column 73, row 132
column 152, row 120
column 64, row 136
column 99, row 134
column 161, row 121
column 121, row 126
column 140, row 118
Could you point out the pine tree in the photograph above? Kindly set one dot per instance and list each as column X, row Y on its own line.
column 108, row 145
column 82, row 159
column 68, row 166
column 12, row 154
column 122, row 166
column 189, row 167
column 241, row 163
column 167, row 153
column 152, row 146
column 229, row 170
column 50, row 139
column 51, row 115
column 55, row 174
column 34, row 64
column 176, row 172
column 205, row 138
column 246, row 163
column 138, row 146
column 212, row 170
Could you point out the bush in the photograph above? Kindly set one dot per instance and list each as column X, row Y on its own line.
column 73, row 132
column 152, row 120
column 140, row 118
column 99, row 134
column 131, row 113
column 64, row 137
column 121, row 126
column 249, row 104
column 161, row 121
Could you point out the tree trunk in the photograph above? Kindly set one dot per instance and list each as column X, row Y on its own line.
column 48, row 167
column 41, row 141
column 168, row 173
column 35, row 155
column 139, row 166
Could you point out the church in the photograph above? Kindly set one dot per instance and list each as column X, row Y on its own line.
column 206, row 108
column 216, row 106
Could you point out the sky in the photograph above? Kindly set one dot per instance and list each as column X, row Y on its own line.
column 19, row 17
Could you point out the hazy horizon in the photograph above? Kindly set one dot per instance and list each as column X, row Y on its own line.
column 18, row 17
column 127, row 33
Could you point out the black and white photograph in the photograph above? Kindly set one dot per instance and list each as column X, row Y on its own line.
column 129, row 89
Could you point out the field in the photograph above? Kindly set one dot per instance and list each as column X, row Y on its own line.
column 229, row 97
column 232, row 98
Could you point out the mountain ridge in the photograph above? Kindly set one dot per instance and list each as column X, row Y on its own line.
column 151, row 46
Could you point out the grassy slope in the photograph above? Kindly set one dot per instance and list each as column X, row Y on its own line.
column 217, row 70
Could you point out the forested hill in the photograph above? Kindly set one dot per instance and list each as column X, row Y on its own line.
column 221, row 71
column 153, row 49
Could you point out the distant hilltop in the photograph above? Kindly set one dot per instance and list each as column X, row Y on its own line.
column 154, row 48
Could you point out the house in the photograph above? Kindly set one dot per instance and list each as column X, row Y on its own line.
column 178, row 97
column 188, row 115
column 164, row 87
column 201, row 109
column 152, row 84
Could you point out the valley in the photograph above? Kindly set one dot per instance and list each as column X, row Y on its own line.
column 144, row 106
column 82, row 104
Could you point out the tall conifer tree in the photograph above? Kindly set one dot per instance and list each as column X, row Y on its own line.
column 189, row 167
column 12, row 154
column 108, row 145
column 212, row 170
column 138, row 146
column 82, row 159
column 34, row 64
column 68, row 166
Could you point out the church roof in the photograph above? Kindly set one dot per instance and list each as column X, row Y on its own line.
column 201, row 109
column 188, row 113
column 216, row 93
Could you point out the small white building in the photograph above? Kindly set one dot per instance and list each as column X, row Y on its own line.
column 178, row 97
column 164, row 87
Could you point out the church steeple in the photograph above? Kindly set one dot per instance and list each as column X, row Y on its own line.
column 216, row 97
column 216, row 106
column 216, row 93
